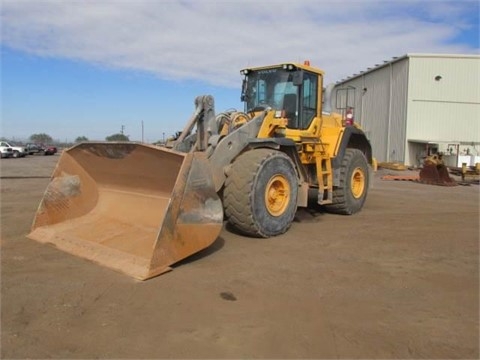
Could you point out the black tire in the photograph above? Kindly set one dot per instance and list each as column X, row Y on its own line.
column 260, row 195
column 350, row 195
column 16, row 154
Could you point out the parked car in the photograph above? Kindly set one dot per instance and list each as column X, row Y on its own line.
column 33, row 149
column 18, row 151
column 50, row 150
column 5, row 151
column 41, row 149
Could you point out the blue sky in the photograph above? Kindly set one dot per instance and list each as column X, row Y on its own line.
column 85, row 68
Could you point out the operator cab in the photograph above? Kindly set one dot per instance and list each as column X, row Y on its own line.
column 289, row 89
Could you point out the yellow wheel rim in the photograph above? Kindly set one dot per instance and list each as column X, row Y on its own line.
column 277, row 195
column 357, row 183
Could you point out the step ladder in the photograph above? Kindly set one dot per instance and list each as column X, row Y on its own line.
column 325, row 179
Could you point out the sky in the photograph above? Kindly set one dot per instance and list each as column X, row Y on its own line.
column 92, row 68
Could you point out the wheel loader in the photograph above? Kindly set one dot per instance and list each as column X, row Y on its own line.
column 139, row 208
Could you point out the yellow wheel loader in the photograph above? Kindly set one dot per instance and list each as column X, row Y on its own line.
column 139, row 208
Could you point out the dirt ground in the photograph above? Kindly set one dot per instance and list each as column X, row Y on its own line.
column 398, row 280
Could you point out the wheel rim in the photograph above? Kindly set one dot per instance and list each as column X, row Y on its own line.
column 357, row 183
column 277, row 195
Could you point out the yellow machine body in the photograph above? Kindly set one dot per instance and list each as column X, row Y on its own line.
column 139, row 208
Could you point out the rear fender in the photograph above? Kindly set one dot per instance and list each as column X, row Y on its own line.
column 355, row 139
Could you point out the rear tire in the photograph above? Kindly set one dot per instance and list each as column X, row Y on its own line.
column 260, row 195
column 16, row 154
column 350, row 195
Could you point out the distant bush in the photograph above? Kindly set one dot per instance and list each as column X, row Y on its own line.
column 117, row 137
column 41, row 138
column 81, row 139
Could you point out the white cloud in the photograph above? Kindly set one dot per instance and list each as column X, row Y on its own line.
column 212, row 40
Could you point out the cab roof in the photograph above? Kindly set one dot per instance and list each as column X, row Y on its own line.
column 305, row 67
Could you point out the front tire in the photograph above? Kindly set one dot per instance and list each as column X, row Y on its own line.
column 260, row 195
column 350, row 195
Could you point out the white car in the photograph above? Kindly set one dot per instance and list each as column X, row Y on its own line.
column 17, row 151
column 5, row 151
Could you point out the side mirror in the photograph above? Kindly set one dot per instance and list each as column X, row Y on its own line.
column 243, row 96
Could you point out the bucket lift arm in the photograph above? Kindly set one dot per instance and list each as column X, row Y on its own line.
column 204, row 120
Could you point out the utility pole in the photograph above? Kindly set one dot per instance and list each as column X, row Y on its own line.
column 122, row 129
column 142, row 131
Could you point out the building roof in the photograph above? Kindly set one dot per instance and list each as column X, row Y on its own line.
column 409, row 55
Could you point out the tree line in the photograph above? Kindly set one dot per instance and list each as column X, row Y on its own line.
column 43, row 138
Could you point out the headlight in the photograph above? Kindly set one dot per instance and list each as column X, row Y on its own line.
column 289, row 67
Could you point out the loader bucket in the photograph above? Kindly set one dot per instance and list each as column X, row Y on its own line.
column 131, row 207
column 436, row 174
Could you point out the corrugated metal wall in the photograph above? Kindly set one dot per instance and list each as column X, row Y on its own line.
column 398, row 111
column 380, row 108
column 375, row 108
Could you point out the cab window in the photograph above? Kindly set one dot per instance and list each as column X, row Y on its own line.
column 309, row 96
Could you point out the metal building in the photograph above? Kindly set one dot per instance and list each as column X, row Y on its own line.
column 416, row 105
